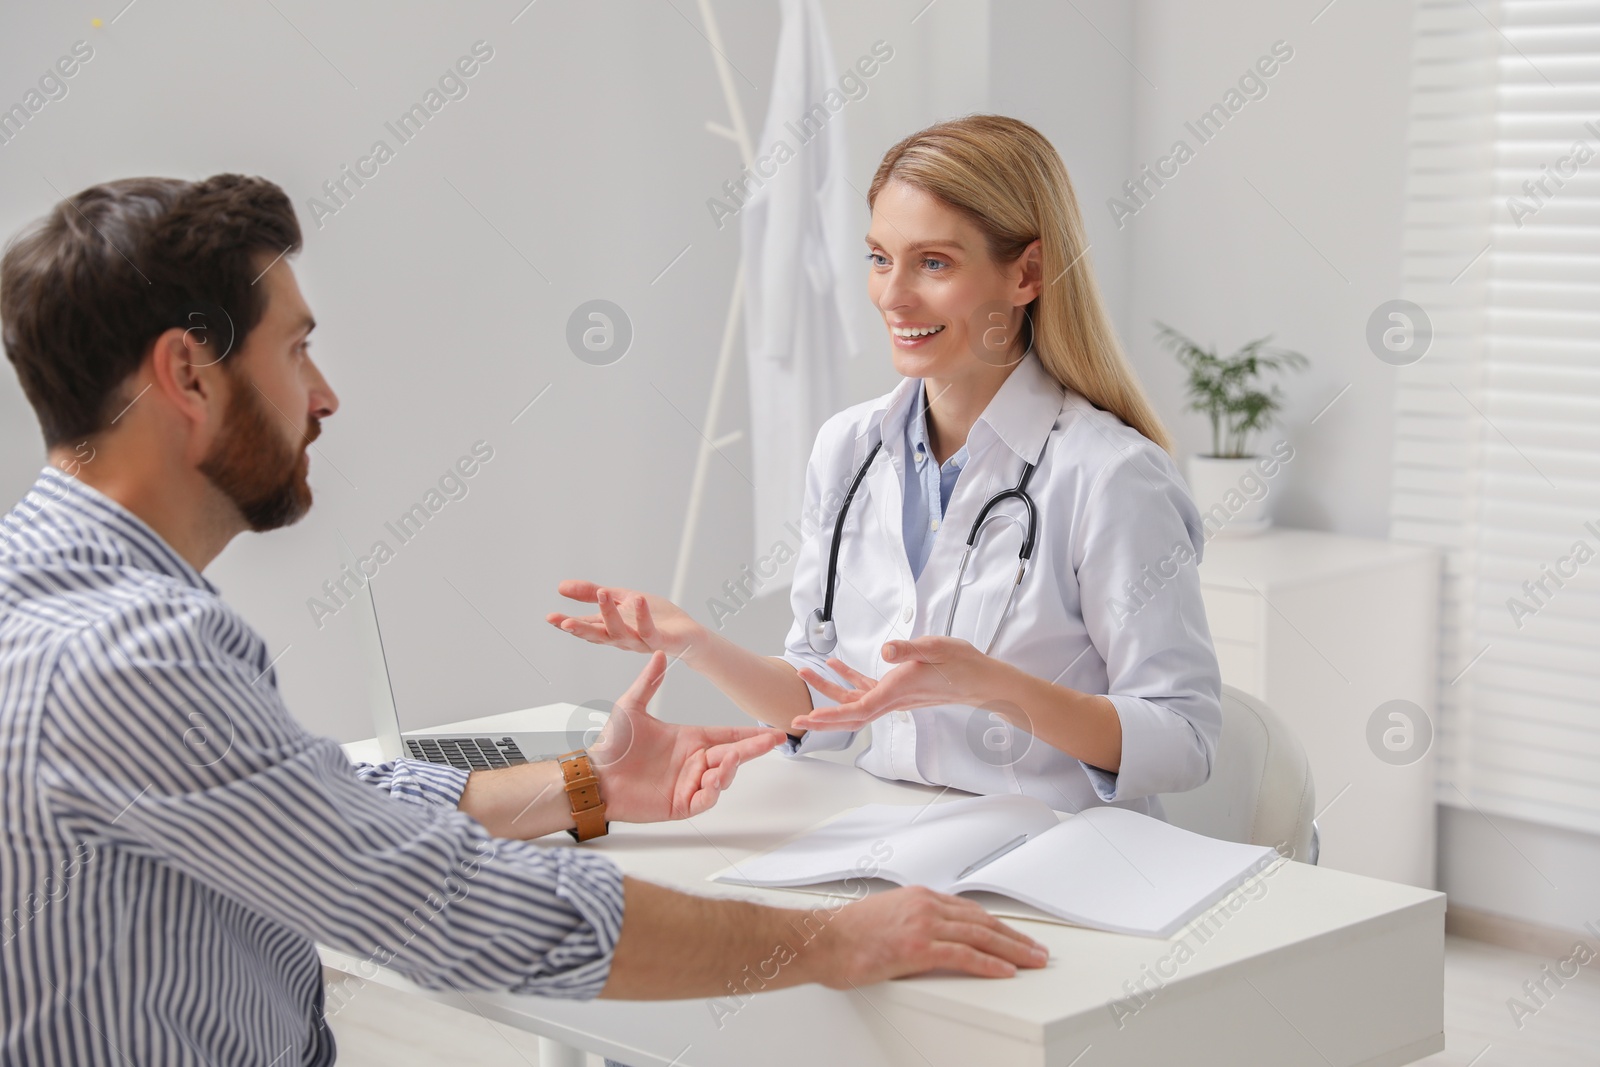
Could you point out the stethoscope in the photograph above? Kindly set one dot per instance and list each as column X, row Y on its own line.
column 820, row 633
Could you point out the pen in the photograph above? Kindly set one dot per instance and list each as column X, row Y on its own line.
column 991, row 857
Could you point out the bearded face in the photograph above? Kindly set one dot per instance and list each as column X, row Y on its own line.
column 255, row 465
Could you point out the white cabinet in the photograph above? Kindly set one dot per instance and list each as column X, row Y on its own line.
column 1327, row 629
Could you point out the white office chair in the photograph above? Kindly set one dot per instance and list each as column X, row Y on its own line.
column 1260, row 790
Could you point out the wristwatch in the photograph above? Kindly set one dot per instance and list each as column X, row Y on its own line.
column 583, row 791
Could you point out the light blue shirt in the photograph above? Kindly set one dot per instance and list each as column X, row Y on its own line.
column 926, row 482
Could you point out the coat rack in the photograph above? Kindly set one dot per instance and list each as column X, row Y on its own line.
column 739, row 134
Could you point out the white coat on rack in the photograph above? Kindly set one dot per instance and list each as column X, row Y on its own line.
column 804, row 271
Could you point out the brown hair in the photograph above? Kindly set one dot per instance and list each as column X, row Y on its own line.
column 1003, row 175
column 87, row 289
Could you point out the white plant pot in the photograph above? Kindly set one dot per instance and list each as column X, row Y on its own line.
column 1231, row 495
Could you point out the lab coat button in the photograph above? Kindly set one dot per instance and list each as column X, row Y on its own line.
column 905, row 616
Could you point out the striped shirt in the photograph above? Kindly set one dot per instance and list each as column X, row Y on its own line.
column 175, row 842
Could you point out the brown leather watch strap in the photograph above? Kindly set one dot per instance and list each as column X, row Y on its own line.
column 583, row 791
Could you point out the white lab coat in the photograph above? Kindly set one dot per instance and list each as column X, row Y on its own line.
column 1113, row 516
column 805, row 273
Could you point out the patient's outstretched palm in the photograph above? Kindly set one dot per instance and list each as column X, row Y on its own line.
column 651, row 770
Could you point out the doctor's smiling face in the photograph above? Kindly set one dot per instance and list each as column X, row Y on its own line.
column 953, row 312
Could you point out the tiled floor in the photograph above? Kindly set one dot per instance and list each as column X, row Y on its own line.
column 1479, row 1026
column 379, row 1028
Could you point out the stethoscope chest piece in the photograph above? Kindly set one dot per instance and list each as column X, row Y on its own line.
column 820, row 634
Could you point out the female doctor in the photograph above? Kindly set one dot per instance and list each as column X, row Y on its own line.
column 1075, row 664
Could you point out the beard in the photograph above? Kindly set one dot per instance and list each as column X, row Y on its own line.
column 253, row 466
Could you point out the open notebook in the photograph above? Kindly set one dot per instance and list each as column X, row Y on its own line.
column 1106, row 868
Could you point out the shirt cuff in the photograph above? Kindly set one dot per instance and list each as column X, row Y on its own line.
column 579, row 964
column 421, row 782
column 817, row 741
column 1161, row 753
column 1104, row 782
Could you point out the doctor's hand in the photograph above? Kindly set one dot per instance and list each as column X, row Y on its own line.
column 653, row 771
column 628, row 619
column 931, row 671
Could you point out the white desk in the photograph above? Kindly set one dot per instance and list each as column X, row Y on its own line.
column 1321, row 968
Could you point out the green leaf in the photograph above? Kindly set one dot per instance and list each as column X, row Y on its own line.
column 1226, row 389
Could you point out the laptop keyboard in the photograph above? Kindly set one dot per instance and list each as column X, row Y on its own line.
column 466, row 753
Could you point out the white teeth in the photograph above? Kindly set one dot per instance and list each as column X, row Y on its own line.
column 921, row 331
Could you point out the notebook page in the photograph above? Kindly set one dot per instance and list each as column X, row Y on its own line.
column 1118, row 870
column 925, row 845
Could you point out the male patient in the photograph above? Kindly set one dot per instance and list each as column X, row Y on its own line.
column 174, row 841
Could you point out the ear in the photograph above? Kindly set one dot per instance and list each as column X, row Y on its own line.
column 1030, row 282
column 183, row 368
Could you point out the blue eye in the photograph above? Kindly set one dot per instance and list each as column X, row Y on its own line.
column 938, row 262
column 877, row 260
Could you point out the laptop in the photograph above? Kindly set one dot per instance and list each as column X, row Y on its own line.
column 559, row 728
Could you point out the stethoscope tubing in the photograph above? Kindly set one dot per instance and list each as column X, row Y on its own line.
column 822, row 631
column 838, row 532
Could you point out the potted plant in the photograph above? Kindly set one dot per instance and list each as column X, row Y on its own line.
column 1226, row 390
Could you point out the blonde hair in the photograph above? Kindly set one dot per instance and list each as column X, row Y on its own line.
column 1003, row 175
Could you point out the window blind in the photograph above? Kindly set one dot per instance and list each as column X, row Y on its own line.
column 1497, row 442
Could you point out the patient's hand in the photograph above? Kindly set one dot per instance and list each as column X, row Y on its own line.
column 652, row 771
column 628, row 619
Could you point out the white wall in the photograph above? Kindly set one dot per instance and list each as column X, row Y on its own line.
column 1308, row 252
column 1540, row 874
column 1113, row 85
column 583, row 141
column 1052, row 67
